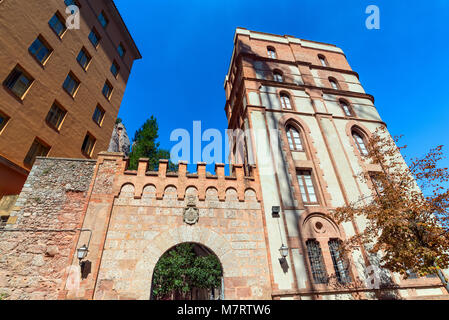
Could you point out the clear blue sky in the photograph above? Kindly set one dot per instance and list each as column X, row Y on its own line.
column 187, row 46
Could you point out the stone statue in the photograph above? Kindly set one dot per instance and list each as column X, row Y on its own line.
column 119, row 140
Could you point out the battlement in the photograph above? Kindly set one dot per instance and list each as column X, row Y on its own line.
column 181, row 180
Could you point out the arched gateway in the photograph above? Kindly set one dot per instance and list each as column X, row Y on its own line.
column 188, row 271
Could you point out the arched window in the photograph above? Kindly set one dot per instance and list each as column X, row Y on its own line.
column 340, row 265
column 271, row 52
column 316, row 261
column 346, row 108
column 285, row 101
column 278, row 76
column 294, row 139
column 360, row 142
column 334, row 83
column 322, row 60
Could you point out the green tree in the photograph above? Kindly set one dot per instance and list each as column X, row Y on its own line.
column 145, row 146
column 180, row 270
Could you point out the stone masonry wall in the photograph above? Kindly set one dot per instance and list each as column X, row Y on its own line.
column 136, row 216
column 36, row 244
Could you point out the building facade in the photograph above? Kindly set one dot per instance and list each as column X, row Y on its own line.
column 307, row 118
column 62, row 83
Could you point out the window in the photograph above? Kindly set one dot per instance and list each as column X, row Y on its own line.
column 285, row 101
column 271, row 53
column 3, row 221
column 307, row 187
column 84, row 58
column 94, row 37
column 346, row 109
column 71, row 84
column 3, row 121
column 88, row 145
column 375, row 180
column 278, row 76
column 98, row 115
column 121, row 50
column 40, row 50
column 38, row 149
column 294, row 139
column 333, row 83
column 360, row 142
column 340, row 265
column 56, row 116
column 107, row 90
column 115, row 68
column 316, row 261
column 18, row 82
column 57, row 24
column 103, row 20
column 322, row 60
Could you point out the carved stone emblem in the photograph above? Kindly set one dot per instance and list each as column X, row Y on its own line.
column 191, row 212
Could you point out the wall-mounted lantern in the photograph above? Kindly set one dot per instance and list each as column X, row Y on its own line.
column 283, row 251
column 82, row 253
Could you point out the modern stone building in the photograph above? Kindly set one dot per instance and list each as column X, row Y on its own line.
column 309, row 117
column 62, row 87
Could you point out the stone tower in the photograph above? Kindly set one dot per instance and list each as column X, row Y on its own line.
column 306, row 118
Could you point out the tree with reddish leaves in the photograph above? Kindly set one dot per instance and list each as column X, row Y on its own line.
column 407, row 216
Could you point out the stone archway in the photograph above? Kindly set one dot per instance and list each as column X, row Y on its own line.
column 163, row 242
column 176, row 264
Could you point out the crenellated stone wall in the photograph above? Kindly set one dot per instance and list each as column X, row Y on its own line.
column 129, row 219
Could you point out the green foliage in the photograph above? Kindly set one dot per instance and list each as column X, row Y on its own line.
column 3, row 296
column 180, row 270
column 145, row 146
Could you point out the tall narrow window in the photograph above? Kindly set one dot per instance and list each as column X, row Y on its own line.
column 322, row 60
column 316, row 261
column 88, row 145
column 285, row 101
column 98, row 115
column 3, row 121
column 121, row 50
column 55, row 116
column 375, row 180
column 94, row 37
column 278, row 76
column 340, row 265
column 57, row 24
column 115, row 68
column 307, row 187
column 333, row 83
column 107, row 90
column 103, row 19
column 346, row 109
column 84, row 58
column 18, row 82
column 360, row 142
column 40, row 50
column 271, row 53
column 71, row 84
column 38, row 149
column 294, row 139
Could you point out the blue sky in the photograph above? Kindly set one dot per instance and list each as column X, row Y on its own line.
column 187, row 46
